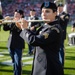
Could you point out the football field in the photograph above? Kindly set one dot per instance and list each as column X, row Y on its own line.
column 6, row 67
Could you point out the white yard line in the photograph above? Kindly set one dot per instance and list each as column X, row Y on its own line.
column 28, row 63
column 5, row 58
column 6, row 52
column 70, row 47
column 24, row 63
column 9, row 62
column 25, row 58
column 1, row 56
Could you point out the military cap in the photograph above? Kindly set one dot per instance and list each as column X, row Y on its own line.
column 49, row 5
column 60, row 5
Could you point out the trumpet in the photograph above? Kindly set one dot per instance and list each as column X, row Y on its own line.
column 13, row 21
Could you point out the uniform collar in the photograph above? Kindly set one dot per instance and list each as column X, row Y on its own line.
column 54, row 22
column 62, row 13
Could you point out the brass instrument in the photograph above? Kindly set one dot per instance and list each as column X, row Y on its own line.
column 12, row 21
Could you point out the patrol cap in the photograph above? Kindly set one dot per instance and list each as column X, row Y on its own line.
column 49, row 5
column 60, row 5
column 20, row 12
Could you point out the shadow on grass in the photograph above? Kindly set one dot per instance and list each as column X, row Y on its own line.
column 70, row 57
column 71, row 52
column 5, row 70
column 23, row 72
column 5, row 54
column 28, row 72
column 3, row 47
column 69, row 68
column 2, row 65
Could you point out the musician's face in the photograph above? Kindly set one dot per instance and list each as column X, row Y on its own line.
column 60, row 9
column 32, row 13
column 48, row 14
column 17, row 15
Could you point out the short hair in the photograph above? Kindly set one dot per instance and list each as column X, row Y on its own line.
column 21, row 12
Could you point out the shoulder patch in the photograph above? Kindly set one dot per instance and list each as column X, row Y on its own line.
column 54, row 28
column 45, row 35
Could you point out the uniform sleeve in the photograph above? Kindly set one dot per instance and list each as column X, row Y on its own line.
column 35, row 24
column 6, row 27
column 46, row 38
column 11, row 27
column 67, row 18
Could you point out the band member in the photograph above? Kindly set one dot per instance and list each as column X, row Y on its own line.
column 63, row 19
column 47, row 42
column 15, row 42
column 32, row 26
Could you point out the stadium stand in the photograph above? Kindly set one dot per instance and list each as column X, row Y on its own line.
column 9, row 6
column 26, row 5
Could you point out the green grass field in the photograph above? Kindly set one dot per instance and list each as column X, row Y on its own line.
column 6, row 67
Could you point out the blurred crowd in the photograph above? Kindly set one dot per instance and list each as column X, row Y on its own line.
column 9, row 7
column 71, row 8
